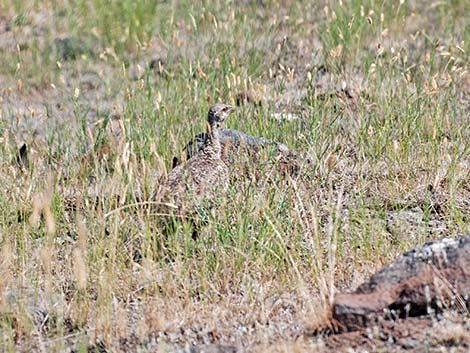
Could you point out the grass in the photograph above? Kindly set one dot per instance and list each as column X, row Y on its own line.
column 381, row 93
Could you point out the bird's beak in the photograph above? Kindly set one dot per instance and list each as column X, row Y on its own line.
column 230, row 109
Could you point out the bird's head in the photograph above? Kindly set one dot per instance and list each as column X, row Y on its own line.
column 218, row 113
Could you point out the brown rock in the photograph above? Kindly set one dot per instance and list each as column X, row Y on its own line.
column 434, row 276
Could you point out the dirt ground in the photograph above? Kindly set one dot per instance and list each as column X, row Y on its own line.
column 377, row 99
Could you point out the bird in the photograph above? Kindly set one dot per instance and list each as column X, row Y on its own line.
column 231, row 142
column 236, row 144
column 197, row 183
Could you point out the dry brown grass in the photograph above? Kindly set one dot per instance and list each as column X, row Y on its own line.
column 378, row 96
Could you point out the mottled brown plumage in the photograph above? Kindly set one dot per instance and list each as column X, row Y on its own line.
column 204, row 177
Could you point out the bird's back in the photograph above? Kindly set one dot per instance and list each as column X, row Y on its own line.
column 199, row 178
column 200, row 181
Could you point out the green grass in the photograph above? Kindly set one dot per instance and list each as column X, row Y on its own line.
column 400, row 143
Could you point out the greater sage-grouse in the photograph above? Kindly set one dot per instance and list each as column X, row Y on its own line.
column 204, row 177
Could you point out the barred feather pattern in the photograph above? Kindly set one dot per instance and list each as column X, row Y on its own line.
column 204, row 177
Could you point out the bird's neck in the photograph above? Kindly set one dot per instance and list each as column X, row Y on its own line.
column 212, row 146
